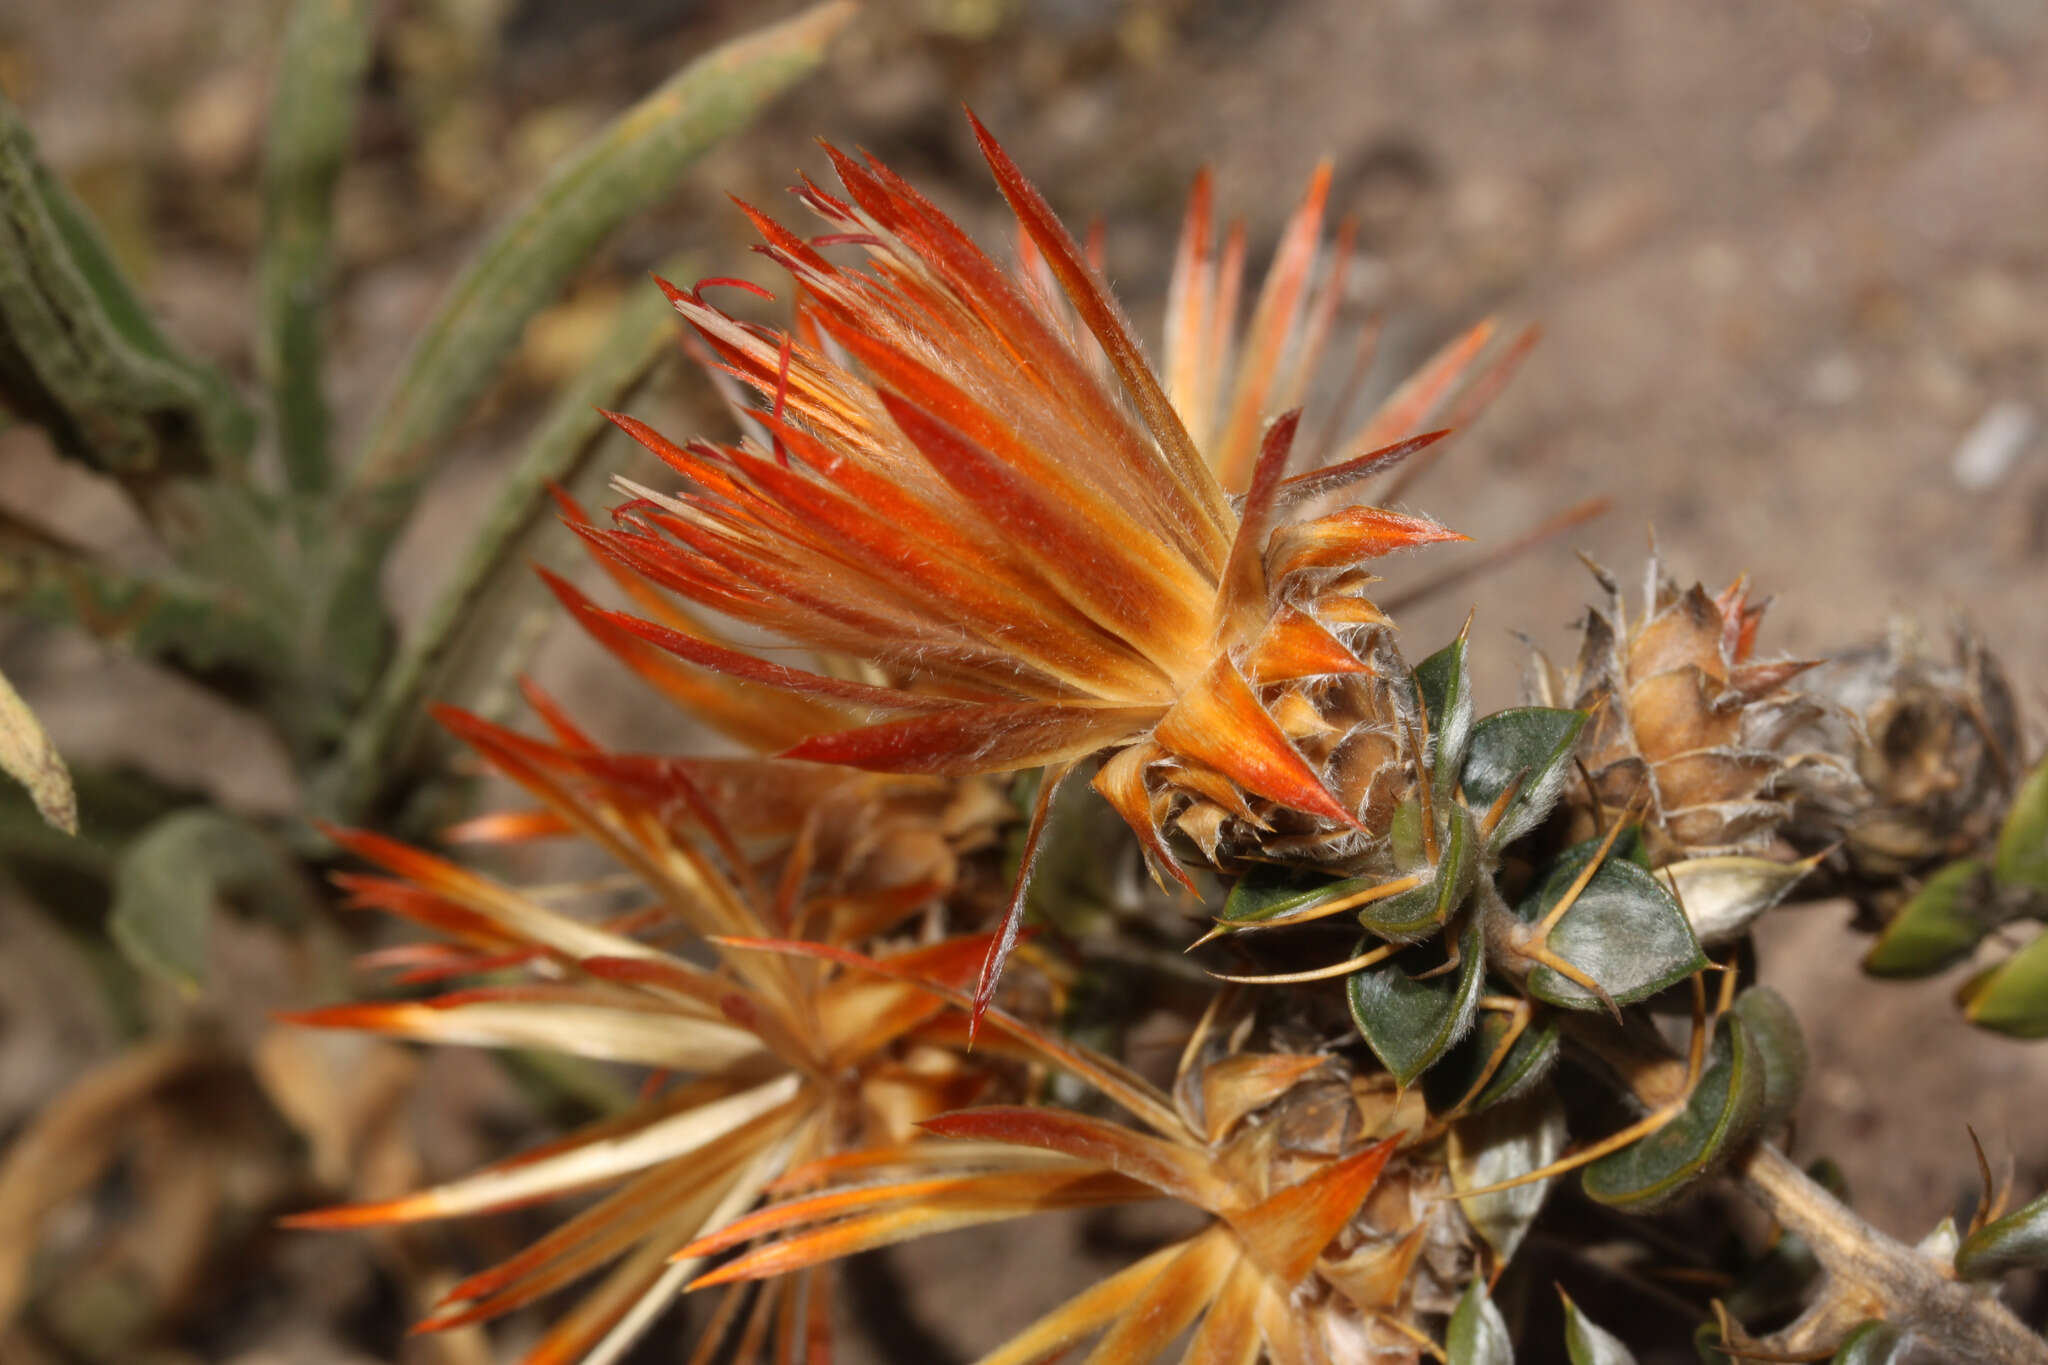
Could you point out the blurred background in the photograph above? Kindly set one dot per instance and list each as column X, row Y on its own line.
column 1791, row 271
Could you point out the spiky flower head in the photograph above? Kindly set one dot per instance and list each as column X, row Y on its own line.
column 967, row 484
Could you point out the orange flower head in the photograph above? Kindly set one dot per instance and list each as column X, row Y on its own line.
column 1023, row 548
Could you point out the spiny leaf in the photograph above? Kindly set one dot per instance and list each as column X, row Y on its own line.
column 1624, row 931
column 1529, row 1060
column 1445, row 686
column 2022, row 857
column 79, row 355
column 2012, row 998
column 1589, row 1344
column 2018, row 1241
column 326, row 49
column 1478, row 1335
column 168, row 879
column 1409, row 1018
column 1940, row 926
column 1414, row 913
column 632, row 162
column 1530, row 743
column 27, row 756
column 1722, row 1114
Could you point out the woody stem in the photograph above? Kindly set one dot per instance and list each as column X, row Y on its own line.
column 1870, row 1275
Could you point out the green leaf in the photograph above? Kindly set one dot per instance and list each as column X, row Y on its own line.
column 2018, row 1241
column 1445, row 686
column 2022, row 856
column 167, row 882
column 1478, row 1335
column 1409, row 1021
column 1940, row 926
column 1873, row 1343
column 2012, row 998
column 79, row 355
column 1706, row 1342
column 1268, row 889
column 1506, row 1142
column 1722, row 1115
column 1625, row 932
column 326, row 50
column 1780, row 1046
column 27, row 756
column 460, row 650
column 631, row 163
column 1534, row 743
column 1589, row 1344
column 1414, row 913
column 1724, row 895
column 1528, row 1061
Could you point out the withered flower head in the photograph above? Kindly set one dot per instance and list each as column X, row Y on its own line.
column 968, row 484
column 758, row 1063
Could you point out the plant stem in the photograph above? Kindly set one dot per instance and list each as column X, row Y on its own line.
column 1870, row 1275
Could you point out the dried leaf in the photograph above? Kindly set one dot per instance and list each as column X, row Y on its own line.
column 1724, row 895
column 27, row 756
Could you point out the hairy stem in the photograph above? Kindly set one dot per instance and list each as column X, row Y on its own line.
column 1870, row 1275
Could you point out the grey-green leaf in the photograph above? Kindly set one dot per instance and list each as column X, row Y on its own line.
column 1478, row 1335
column 1507, row 1142
column 2018, row 1241
column 1587, row 1343
column 1780, row 1046
column 1533, row 743
column 459, row 650
column 1445, row 686
column 326, row 49
column 1528, row 1060
column 1722, row 1114
column 1943, row 922
column 1267, row 890
column 79, row 355
column 2022, row 857
column 1625, row 931
column 631, row 163
column 1872, row 1343
column 1410, row 1018
column 168, row 880
column 2012, row 998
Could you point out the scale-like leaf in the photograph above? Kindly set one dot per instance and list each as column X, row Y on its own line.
column 1478, row 1334
column 1532, row 743
column 2012, row 998
column 1528, row 1061
column 1944, row 921
column 2022, row 857
column 1587, row 1343
column 1625, row 931
column 2018, row 1241
column 1507, row 1142
column 1410, row 1018
column 1721, row 1116
column 1445, row 686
